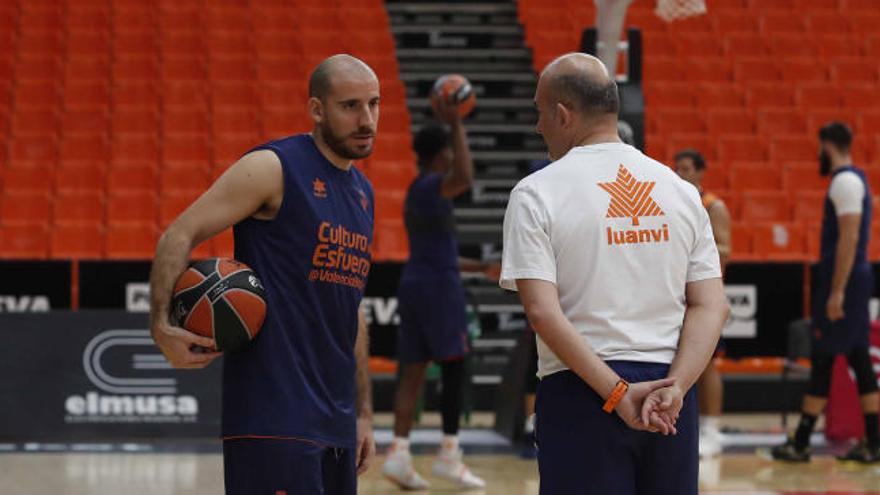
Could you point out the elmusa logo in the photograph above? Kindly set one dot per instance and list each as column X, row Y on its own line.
column 133, row 398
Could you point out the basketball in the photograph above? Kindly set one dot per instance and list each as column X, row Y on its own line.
column 221, row 299
column 455, row 88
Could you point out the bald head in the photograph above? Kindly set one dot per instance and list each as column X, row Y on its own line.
column 582, row 83
column 335, row 68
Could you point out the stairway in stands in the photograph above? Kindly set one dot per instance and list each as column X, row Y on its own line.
column 484, row 42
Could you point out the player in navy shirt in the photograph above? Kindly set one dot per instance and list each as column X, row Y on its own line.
column 433, row 323
column 842, row 287
column 297, row 412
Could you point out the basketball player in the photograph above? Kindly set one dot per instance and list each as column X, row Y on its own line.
column 618, row 272
column 433, row 323
column 842, row 288
column 297, row 413
column 691, row 166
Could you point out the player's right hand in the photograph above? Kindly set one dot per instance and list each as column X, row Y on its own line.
column 445, row 110
column 182, row 348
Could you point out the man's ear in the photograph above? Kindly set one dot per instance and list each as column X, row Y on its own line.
column 316, row 109
column 563, row 115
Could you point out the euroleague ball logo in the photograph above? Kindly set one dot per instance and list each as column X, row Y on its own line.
column 131, row 386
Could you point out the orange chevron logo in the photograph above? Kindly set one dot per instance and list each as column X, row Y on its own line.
column 630, row 198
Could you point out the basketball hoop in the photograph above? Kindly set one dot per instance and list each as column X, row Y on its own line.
column 671, row 10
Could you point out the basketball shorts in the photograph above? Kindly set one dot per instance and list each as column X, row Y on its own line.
column 583, row 450
column 433, row 321
column 853, row 330
column 287, row 467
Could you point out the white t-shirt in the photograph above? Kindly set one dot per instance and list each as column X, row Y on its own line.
column 847, row 191
column 620, row 235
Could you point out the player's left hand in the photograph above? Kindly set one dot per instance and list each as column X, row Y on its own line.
column 366, row 445
column 834, row 308
column 493, row 271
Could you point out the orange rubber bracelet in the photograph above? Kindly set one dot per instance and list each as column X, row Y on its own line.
column 616, row 394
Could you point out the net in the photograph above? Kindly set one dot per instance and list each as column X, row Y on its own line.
column 671, row 10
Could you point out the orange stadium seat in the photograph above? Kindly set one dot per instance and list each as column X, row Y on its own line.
column 747, row 177
column 809, row 207
column 741, row 237
column 92, row 151
column 137, row 179
column 772, row 121
column 781, row 21
column 135, row 69
column 803, row 178
column 78, row 208
column 91, row 123
column 865, row 21
column 231, row 69
column 135, row 94
column 182, row 122
column 827, row 21
column 861, row 97
column 769, row 95
column 833, row 46
column 672, row 94
column 189, row 152
column 854, row 70
column 81, row 177
column 172, row 205
column 131, row 208
column 699, row 45
column 33, row 151
column 24, row 208
column 701, row 142
column 24, row 241
column 802, row 69
column 745, row 44
column 134, row 121
column 819, row 96
column 779, row 241
column 183, row 180
column 176, row 43
column 756, row 69
column 729, row 121
column 87, row 44
column 35, row 123
column 130, row 242
column 38, row 68
column 791, row 45
column 719, row 95
column 733, row 21
column 792, row 147
column 77, row 241
column 765, row 207
column 678, row 121
column 741, row 148
column 134, row 44
column 188, row 95
column 226, row 95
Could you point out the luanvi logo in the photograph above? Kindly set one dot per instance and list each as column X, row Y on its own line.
column 632, row 199
column 138, row 391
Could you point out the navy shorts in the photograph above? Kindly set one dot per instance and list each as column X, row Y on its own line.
column 258, row 466
column 433, row 322
column 583, row 450
column 843, row 336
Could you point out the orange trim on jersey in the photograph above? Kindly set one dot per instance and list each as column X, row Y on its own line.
column 270, row 437
column 708, row 198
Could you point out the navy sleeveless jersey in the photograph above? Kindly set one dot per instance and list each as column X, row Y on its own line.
column 430, row 225
column 297, row 379
column 830, row 229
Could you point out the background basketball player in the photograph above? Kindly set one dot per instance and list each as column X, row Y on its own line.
column 691, row 166
column 433, row 323
column 606, row 286
column 297, row 413
column 842, row 287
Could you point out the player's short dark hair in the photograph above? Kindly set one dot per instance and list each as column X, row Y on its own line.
column 431, row 139
column 319, row 81
column 838, row 134
column 694, row 155
column 587, row 96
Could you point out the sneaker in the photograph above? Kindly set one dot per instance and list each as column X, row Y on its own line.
column 862, row 453
column 398, row 468
column 529, row 449
column 450, row 467
column 710, row 442
column 789, row 453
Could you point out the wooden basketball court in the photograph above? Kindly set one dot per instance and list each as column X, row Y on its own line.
column 114, row 473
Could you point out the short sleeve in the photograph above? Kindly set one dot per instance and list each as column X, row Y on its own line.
column 704, row 262
column 847, row 192
column 527, row 253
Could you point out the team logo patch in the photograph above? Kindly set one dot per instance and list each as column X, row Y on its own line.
column 630, row 198
column 320, row 188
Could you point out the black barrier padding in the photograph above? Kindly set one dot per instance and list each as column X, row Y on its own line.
column 27, row 286
column 93, row 375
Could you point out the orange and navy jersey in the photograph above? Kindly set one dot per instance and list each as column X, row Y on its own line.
column 708, row 198
column 297, row 379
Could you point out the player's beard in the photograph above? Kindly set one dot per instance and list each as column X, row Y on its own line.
column 337, row 143
column 824, row 163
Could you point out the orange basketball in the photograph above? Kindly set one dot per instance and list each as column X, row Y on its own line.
column 221, row 299
column 455, row 88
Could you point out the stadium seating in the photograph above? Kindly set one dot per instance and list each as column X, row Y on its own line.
column 749, row 84
column 116, row 114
